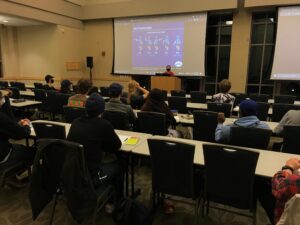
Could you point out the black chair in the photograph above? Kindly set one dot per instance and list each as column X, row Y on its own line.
column 259, row 98
column 262, row 111
column 165, row 93
column 250, row 137
column 119, row 120
column 21, row 86
column 173, row 170
column 220, row 107
column 291, row 142
column 3, row 84
column 49, row 130
column 38, row 85
column 279, row 110
column 72, row 113
column 198, row 97
column 41, row 96
column 152, row 123
column 178, row 103
column 239, row 97
column 222, row 185
column 104, row 91
column 205, row 124
column 286, row 99
column 61, row 160
column 178, row 93
column 15, row 92
column 56, row 102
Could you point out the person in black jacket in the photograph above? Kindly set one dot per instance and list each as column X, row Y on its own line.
column 98, row 136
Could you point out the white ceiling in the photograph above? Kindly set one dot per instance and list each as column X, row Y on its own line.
column 17, row 21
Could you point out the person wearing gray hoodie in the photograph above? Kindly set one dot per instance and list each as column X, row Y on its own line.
column 248, row 118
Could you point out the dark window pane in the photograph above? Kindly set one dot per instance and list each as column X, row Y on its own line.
column 212, row 36
column 211, row 63
column 270, row 38
column 267, row 65
column 225, row 33
column 226, row 19
column 268, row 90
column 290, row 88
column 252, row 89
column 224, row 57
column 213, row 20
column 259, row 17
column 258, row 31
column 255, row 64
column 210, row 89
column 272, row 15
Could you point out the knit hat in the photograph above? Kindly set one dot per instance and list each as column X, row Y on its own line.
column 95, row 104
column 115, row 89
column 248, row 107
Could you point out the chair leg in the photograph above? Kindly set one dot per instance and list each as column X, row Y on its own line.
column 53, row 209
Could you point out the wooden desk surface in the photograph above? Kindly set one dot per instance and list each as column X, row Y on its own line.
column 26, row 103
column 27, row 93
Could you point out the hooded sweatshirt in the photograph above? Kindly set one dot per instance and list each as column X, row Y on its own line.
column 222, row 133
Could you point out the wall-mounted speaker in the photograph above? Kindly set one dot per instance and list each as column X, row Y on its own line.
column 89, row 61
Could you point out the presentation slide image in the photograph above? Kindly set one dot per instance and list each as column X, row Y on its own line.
column 156, row 45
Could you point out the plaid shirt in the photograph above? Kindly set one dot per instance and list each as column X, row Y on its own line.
column 284, row 187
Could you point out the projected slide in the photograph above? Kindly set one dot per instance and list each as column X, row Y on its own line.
column 165, row 40
column 145, row 45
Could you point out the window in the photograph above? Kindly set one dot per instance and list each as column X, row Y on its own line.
column 218, row 44
column 261, row 53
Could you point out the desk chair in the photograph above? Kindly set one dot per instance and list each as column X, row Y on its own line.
column 239, row 97
column 119, row 120
column 262, row 111
column 259, row 98
column 38, row 85
column 72, row 113
column 286, row 99
column 15, row 92
column 152, row 123
column 198, row 97
column 178, row 93
column 291, row 142
column 280, row 109
column 49, row 130
column 3, row 84
column 205, row 124
column 222, row 185
column 165, row 93
column 56, row 102
column 220, row 107
column 177, row 176
column 178, row 103
column 250, row 137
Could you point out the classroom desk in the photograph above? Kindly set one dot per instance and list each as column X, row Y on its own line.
column 237, row 108
column 25, row 104
column 27, row 93
column 268, row 164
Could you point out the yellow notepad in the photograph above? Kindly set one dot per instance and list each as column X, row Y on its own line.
column 132, row 141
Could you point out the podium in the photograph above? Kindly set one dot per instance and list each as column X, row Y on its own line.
column 166, row 83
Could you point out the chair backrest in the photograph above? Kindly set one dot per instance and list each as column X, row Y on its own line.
column 230, row 188
column 152, row 123
column 15, row 92
column 262, row 111
column 250, row 137
column 56, row 101
column 3, row 84
column 280, row 109
column 40, row 95
column 198, row 96
column 21, row 86
column 259, row 98
column 239, row 97
column 165, row 93
column 119, row 120
column 172, row 167
column 287, row 99
column 178, row 103
column 38, row 85
column 178, row 93
column 49, row 130
column 205, row 124
column 71, row 113
column 104, row 91
column 291, row 142
column 220, row 107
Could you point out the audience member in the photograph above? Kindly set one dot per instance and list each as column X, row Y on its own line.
column 248, row 118
column 115, row 103
column 82, row 88
column 285, row 184
column 223, row 96
column 136, row 94
column 292, row 117
column 49, row 82
column 97, row 136
column 65, row 87
column 168, row 71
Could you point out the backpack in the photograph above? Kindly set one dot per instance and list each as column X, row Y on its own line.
column 131, row 212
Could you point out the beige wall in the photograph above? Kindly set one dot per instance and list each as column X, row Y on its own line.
column 257, row 3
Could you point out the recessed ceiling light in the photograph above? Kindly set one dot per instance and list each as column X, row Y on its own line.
column 5, row 21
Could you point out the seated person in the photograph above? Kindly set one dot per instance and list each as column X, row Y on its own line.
column 155, row 103
column 10, row 129
column 292, row 117
column 248, row 118
column 65, row 87
column 168, row 71
column 285, row 185
column 97, row 136
column 82, row 88
column 136, row 95
column 115, row 103
column 224, row 96
column 49, row 82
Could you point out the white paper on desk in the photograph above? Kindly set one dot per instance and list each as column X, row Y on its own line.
column 176, row 118
column 123, row 138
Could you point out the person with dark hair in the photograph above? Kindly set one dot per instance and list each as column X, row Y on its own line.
column 93, row 89
column 168, row 71
column 248, row 118
column 49, row 82
column 65, row 87
column 82, row 88
column 115, row 103
column 97, row 136
column 223, row 96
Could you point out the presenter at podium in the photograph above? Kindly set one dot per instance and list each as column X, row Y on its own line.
column 168, row 71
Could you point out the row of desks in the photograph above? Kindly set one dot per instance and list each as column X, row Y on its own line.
column 269, row 162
